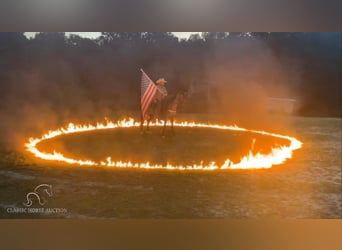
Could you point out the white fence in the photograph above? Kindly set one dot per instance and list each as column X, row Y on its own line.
column 281, row 105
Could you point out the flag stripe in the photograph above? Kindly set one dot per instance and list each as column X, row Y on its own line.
column 145, row 108
column 148, row 91
column 148, row 95
column 146, row 88
column 148, row 98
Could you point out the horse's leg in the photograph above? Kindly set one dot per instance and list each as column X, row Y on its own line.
column 171, row 119
column 164, row 128
column 142, row 125
column 148, row 124
column 150, row 118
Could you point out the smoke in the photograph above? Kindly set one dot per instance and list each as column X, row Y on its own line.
column 51, row 80
column 37, row 99
column 243, row 75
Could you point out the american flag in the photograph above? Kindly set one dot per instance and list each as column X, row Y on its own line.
column 148, row 91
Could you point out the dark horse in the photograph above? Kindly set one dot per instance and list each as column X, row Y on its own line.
column 164, row 110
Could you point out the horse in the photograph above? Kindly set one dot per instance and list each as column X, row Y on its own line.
column 164, row 110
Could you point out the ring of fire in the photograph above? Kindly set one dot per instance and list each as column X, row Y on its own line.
column 278, row 154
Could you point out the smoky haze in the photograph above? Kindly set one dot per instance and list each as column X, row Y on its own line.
column 51, row 79
column 243, row 76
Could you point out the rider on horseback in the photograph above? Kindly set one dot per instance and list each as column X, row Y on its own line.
column 160, row 98
column 163, row 106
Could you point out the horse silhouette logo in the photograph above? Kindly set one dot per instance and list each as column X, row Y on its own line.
column 38, row 193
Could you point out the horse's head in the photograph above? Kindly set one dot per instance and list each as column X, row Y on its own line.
column 181, row 96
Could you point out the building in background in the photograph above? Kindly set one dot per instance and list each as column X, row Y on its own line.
column 281, row 105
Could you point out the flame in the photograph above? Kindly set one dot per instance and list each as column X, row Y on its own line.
column 278, row 154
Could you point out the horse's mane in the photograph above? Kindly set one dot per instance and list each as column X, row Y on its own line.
column 170, row 98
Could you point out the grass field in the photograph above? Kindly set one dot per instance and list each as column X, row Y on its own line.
column 307, row 186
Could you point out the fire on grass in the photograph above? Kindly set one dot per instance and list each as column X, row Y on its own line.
column 278, row 154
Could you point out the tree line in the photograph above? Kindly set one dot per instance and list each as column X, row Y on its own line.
column 72, row 77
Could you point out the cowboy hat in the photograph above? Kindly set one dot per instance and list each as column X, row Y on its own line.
column 161, row 80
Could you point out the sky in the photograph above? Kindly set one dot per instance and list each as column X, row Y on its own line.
column 92, row 35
